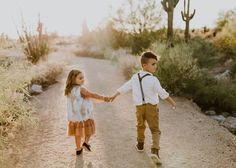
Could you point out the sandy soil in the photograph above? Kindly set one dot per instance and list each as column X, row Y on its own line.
column 189, row 139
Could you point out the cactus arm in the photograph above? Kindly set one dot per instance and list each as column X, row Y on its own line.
column 164, row 4
column 193, row 14
column 175, row 3
column 183, row 16
column 185, row 7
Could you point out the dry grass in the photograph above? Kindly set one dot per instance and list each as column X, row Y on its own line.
column 127, row 62
column 48, row 75
column 6, row 42
column 94, row 52
column 16, row 111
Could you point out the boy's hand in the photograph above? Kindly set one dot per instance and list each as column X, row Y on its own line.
column 113, row 98
column 174, row 106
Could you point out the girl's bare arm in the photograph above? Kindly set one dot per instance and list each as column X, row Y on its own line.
column 87, row 94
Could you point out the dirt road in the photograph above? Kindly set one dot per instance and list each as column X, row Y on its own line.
column 189, row 139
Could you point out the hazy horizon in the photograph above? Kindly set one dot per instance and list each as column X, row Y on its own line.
column 66, row 17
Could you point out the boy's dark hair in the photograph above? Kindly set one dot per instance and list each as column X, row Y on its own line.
column 146, row 56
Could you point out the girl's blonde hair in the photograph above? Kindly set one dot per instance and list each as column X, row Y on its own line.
column 70, row 82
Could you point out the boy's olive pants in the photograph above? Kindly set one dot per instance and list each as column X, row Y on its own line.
column 149, row 113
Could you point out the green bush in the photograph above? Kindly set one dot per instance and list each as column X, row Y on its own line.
column 179, row 74
column 216, row 96
column 176, row 67
column 204, row 51
column 140, row 42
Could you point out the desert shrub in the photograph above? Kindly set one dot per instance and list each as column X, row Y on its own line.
column 35, row 45
column 108, row 36
column 215, row 96
column 140, row 42
column 48, row 75
column 92, row 51
column 95, row 43
column 129, row 64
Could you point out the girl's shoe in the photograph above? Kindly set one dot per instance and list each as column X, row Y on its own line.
column 79, row 152
column 86, row 146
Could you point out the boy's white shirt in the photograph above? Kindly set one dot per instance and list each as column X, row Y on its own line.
column 151, row 88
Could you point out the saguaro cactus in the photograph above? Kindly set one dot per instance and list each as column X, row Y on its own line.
column 187, row 17
column 169, row 6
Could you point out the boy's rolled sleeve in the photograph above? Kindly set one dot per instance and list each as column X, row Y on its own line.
column 158, row 89
column 125, row 87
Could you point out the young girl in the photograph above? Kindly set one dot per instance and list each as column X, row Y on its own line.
column 80, row 110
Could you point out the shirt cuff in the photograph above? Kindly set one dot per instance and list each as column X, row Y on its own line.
column 164, row 95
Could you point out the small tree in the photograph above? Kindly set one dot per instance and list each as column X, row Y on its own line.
column 224, row 18
column 139, row 19
column 186, row 16
column 143, row 17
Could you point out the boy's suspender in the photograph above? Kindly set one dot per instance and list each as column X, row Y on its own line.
column 141, row 87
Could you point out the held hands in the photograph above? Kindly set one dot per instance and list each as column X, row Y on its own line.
column 111, row 98
column 107, row 99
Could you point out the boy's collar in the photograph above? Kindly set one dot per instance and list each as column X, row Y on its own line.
column 146, row 72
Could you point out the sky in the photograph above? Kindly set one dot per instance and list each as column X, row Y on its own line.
column 66, row 16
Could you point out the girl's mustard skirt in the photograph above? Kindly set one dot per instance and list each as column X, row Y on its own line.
column 85, row 128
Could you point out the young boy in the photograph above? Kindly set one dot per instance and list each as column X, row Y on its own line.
column 145, row 90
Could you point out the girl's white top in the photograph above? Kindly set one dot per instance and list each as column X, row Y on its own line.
column 78, row 108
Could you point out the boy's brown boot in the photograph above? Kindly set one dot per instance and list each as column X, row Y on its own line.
column 155, row 155
column 139, row 146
